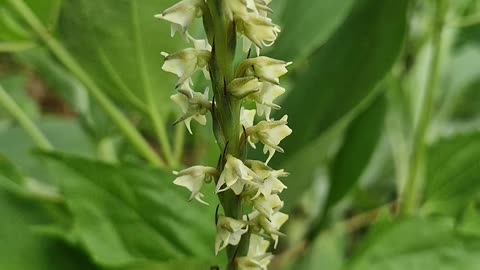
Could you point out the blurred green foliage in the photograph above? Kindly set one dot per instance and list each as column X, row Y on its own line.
column 355, row 92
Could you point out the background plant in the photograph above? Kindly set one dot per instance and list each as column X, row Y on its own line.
column 84, row 78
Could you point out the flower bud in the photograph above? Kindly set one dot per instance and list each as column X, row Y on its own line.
column 235, row 176
column 270, row 133
column 229, row 232
column 193, row 179
column 242, row 87
column 265, row 68
column 265, row 97
column 193, row 105
column 184, row 63
column 182, row 14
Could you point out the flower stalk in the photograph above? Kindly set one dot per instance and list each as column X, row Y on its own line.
column 248, row 190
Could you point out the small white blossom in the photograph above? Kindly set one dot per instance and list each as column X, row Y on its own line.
column 185, row 62
column 229, row 232
column 268, row 177
column 182, row 14
column 193, row 179
column 273, row 224
column 268, row 207
column 194, row 105
column 242, row 87
column 235, row 176
column 259, row 30
column 265, row 68
column 270, row 133
column 257, row 257
column 265, row 97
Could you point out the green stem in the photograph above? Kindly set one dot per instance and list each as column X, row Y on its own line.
column 226, row 113
column 62, row 54
column 153, row 111
column 410, row 196
column 37, row 136
column 10, row 47
column 179, row 143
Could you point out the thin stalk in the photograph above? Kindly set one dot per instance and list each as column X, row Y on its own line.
column 62, row 54
column 226, row 113
column 410, row 196
column 158, row 123
column 7, row 102
column 179, row 143
column 10, row 47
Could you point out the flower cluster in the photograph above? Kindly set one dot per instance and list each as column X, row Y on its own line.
column 256, row 80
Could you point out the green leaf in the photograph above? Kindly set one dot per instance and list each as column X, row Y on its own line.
column 125, row 215
column 360, row 140
column 417, row 244
column 336, row 85
column 103, row 37
column 23, row 249
column 453, row 173
column 306, row 25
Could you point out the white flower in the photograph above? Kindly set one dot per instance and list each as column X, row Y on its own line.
column 182, row 14
column 242, row 87
column 185, row 62
column 268, row 207
column 265, row 97
column 259, row 30
column 273, row 224
column 193, row 179
column 264, row 68
column 269, row 182
column 194, row 105
column 247, row 117
column 257, row 257
column 270, row 133
column 229, row 232
column 235, row 176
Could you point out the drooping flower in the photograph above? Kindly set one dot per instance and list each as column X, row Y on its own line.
column 265, row 68
column 194, row 105
column 185, row 62
column 270, row 133
column 265, row 97
column 182, row 14
column 257, row 257
column 229, row 232
column 235, row 176
column 193, row 179
column 273, row 224
column 268, row 178
column 268, row 206
column 259, row 30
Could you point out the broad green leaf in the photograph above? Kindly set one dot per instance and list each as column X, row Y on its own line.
column 417, row 244
column 66, row 135
column 360, row 140
column 23, row 249
column 125, row 215
column 453, row 173
column 306, row 25
column 119, row 42
column 330, row 91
